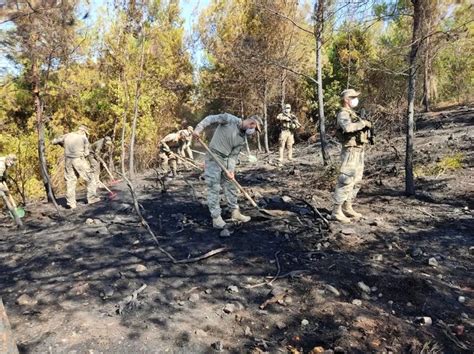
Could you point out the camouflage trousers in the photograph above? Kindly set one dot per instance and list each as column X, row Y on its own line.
column 214, row 175
column 95, row 173
column 287, row 138
column 168, row 159
column 78, row 167
column 350, row 178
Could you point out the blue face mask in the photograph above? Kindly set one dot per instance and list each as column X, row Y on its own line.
column 250, row 131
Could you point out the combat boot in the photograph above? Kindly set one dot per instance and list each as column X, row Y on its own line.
column 237, row 216
column 347, row 208
column 338, row 215
column 93, row 200
column 218, row 223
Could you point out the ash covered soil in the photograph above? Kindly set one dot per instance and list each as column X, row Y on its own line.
column 291, row 284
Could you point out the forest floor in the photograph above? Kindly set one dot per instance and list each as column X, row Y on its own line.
column 291, row 284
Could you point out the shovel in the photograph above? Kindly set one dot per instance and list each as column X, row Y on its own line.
column 113, row 180
column 185, row 160
column 20, row 212
column 264, row 212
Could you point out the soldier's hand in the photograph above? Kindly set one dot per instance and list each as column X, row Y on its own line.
column 196, row 135
column 3, row 187
column 368, row 124
column 230, row 175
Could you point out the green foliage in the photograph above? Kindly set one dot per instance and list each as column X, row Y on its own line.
column 447, row 163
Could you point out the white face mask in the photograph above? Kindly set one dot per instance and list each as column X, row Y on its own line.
column 250, row 131
column 354, row 102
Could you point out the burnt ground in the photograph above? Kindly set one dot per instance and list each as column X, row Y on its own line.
column 76, row 272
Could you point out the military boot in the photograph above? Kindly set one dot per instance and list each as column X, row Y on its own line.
column 338, row 215
column 347, row 208
column 93, row 200
column 236, row 215
column 218, row 222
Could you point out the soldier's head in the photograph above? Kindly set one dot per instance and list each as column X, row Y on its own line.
column 252, row 124
column 108, row 141
column 190, row 129
column 10, row 160
column 287, row 108
column 184, row 134
column 83, row 129
column 349, row 98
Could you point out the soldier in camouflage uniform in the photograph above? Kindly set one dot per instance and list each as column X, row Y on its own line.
column 76, row 150
column 226, row 143
column 185, row 148
column 170, row 146
column 352, row 131
column 5, row 163
column 95, row 156
column 289, row 123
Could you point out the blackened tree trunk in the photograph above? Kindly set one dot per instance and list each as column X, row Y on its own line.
column 318, row 33
column 415, row 45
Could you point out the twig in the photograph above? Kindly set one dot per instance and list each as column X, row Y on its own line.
column 312, row 207
column 195, row 198
column 129, row 299
column 273, row 279
column 204, row 256
column 426, row 213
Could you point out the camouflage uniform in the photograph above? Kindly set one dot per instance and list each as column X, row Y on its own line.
column 289, row 123
column 170, row 145
column 353, row 137
column 226, row 144
column 94, row 161
column 76, row 149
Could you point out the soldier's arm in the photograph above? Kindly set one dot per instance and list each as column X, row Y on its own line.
column 86, row 147
column 224, row 118
column 58, row 140
column 346, row 124
column 283, row 117
column 167, row 139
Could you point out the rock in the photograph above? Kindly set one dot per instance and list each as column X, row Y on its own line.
column 286, row 199
column 106, row 292
column 378, row 258
column 364, row 287
column 280, row 325
column 194, row 297
column 247, row 331
column 229, row 308
column 304, row 322
column 433, row 262
column 348, row 231
column 317, row 350
column 459, row 330
column 357, row 302
column 80, row 289
column 26, row 300
column 232, row 289
column 140, row 268
column 416, row 252
column 333, row 290
column 208, row 291
column 200, row 333
column 225, row 233
column 89, row 221
column 339, row 350
column 217, row 346
column 462, row 299
column 424, row 321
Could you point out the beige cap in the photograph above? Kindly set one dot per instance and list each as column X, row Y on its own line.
column 349, row 93
column 287, row 105
column 257, row 120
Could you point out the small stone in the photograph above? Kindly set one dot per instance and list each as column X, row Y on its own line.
column 378, row 258
column 409, row 304
column 247, row 331
column 462, row 299
column 364, row 287
column 26, row 300
column 217, row 346
column 348, row 231
column 280, row 325
column 416, row 252
column 200, row 333
column 464, row 315
column 357, row 302
column 194, row 297
column 229, row 308
column 317, row 350
column 304, row 322
column 424, row 321
column 459, row 330
column 326, row 244
column 339, row 350
column 333, row 290
column 433, row 262
column 225, row 233
column 232, row 289
column 89, row 221
column 136, row 242
column 80, row 289
column 286, row 199
column 140, row 268
column 208, row 291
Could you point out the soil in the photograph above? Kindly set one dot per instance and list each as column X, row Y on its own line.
column 290, row 284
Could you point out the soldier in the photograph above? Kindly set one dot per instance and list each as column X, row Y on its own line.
column 5, row 163
column 352, row 131
column 289, row 123
column 95, row 156
column 226, row 143
column 185, row 148
column 170, row 145
column 76, row 149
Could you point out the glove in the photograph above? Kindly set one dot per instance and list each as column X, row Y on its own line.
column 368, row 124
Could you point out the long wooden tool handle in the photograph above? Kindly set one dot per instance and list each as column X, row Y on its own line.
column 221, row 165
column 185, row 160
column 105, row 166
column 103, row 185
column 10, row 197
